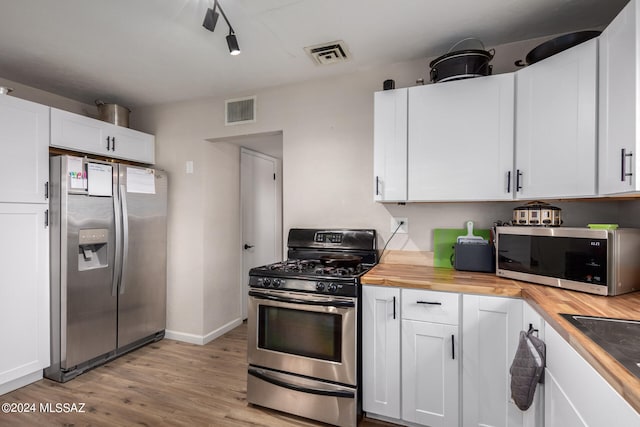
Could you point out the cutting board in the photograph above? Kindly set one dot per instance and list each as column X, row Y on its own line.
column 444, row 240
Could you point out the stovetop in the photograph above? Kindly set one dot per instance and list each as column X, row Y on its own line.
column 309, row 276
column 309, row 268
column 303, row 270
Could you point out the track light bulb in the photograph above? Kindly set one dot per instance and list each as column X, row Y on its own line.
column 232, row 41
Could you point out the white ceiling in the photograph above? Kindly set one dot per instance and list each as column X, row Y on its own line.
column 142, row 52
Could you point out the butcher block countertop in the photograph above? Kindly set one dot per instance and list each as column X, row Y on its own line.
column 548, row 301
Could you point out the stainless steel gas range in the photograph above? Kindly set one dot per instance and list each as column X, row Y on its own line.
column 304, row 326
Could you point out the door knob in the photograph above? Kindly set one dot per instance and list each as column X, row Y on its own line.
column 247, row 246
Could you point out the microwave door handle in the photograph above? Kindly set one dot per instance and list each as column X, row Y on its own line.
column 295, row 387
column 125, row 236
column 325, row 303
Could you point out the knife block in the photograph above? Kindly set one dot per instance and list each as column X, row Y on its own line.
column 474, row 257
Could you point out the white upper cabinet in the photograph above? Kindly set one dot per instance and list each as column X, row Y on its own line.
column 87, row 135
column 24, row 141
column 390, row 145
column 76, row 132
column 619, row 82
column 460, row 137
column 556, row 125
column 131, row 144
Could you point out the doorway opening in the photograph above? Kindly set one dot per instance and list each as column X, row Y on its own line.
column 260, row 204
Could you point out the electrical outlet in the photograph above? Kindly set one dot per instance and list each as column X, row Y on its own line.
column 404, row 228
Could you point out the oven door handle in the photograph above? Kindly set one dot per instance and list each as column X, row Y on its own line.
column 325, row 303
column 295, row 387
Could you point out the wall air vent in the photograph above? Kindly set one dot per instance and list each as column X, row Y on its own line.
column 328, row 53
column 240, row 110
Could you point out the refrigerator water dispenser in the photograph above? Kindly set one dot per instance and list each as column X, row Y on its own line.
column 92, row 248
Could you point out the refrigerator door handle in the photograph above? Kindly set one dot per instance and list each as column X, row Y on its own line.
column 118, row 250
column 125, row 234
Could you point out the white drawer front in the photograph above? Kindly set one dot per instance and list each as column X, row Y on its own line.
column 430, row 306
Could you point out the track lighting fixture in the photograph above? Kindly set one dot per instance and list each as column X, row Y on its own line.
column 210, row 20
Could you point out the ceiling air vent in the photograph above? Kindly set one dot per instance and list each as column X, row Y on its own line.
column 240, row 110
column 329, row 53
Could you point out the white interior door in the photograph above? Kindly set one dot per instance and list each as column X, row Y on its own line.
column 261, row 195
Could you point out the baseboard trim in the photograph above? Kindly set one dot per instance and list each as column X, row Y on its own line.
column 20, row 382
column 202, row 339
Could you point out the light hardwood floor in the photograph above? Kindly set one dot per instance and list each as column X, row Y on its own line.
column 165, row 383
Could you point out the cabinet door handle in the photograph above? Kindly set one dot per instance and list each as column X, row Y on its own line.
column 113, row 143
column 108, row 143
column 429, row 302
column 46, row 190
column 623, row 164
column 518, row 176
column 509, row 182
column 46, row 218
column 453, row 347
column 394, row 308
column 377, row 185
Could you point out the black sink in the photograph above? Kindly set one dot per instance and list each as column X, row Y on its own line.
column 618, row 337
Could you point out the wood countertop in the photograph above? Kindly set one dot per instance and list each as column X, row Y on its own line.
column 441, row 279
column 548, row 301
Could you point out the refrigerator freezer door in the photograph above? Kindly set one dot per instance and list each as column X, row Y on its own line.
column 142, row 291
column 88, row 304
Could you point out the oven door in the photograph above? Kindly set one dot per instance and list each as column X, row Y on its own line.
column 306, row 334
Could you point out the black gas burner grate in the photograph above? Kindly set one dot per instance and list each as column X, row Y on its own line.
column 315, row 267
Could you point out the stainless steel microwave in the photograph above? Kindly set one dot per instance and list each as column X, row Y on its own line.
column 602, row 262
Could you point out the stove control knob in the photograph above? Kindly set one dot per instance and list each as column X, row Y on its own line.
column 276, row 283
column 267, row 282
column 320, row 286
column 332, row 288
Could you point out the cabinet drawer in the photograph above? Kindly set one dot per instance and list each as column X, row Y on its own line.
column 430, row 306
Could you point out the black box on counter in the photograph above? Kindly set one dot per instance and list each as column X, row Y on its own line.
column 474, row 257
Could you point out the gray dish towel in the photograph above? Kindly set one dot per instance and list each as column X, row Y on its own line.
column 527, row 368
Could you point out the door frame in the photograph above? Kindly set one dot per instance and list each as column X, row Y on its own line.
column 244, row 280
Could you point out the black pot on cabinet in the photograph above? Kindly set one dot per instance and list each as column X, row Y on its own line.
column 461, row 64
column 556, row 45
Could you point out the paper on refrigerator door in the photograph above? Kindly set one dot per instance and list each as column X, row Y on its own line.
column 100, row 179
column 141, row 181
column 77, row 177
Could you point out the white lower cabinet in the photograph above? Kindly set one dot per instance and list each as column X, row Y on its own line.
column 24, row 294
column 413, row 379
column 452, row 353
column 430, row 357
column 430, row 373
column 381, row 351
column 576, row 394
column 490, row 332
column 413, row 367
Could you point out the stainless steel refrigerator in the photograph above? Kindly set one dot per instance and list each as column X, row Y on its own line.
column 108, row 261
